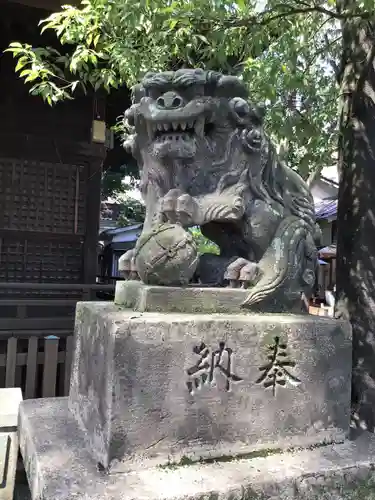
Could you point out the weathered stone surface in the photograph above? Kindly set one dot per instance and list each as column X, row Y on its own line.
column 10, row 400
column 205, row 161
column 153, row 388
column 140, row 297
column 59, row 467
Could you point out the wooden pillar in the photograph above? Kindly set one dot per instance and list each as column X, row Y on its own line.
column 90, row 254
column 90, row 264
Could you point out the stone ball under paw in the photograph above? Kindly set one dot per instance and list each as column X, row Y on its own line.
column 166, row 255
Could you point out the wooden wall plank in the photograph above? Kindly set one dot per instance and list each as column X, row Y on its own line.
column 22, row 358
column 51, row 350
column 31, row 367
column 10, row 370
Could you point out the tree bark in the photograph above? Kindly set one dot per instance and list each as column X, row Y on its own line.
column 356, row 209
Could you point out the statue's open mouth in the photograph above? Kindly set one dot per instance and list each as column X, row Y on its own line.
column 177, row 130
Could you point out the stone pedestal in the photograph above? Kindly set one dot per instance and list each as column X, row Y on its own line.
column 150, row 389
column 137, row 296
column 198, row 404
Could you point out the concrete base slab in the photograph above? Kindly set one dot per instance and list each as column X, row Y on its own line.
column 60, row 467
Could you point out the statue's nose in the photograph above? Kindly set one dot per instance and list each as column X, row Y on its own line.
column 169, row 100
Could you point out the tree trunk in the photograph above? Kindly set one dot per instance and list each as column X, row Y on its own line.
column 356, row 209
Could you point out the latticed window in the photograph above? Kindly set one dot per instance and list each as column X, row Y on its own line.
column 42, row 221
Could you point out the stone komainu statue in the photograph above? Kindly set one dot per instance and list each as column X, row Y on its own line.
column 205, row 161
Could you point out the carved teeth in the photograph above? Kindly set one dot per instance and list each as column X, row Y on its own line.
column 150, row 130
column 199, row 127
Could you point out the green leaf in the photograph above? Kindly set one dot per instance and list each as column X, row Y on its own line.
column 203, row 39
column 32, row 76
column 25, row 72
column 21, row 63
column 96, row 40
column 114, row 42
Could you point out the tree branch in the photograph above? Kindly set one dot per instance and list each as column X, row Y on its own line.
column 321, row 51
column 266, row 18
column 335, row 14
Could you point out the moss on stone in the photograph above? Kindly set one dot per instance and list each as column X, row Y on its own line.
column 262, row 453
column 185, row 461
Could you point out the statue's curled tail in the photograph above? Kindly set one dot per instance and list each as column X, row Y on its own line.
column 290, row 258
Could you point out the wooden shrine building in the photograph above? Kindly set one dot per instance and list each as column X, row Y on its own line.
column 50, row 179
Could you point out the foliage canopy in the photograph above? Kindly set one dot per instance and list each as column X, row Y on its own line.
column 288, row 53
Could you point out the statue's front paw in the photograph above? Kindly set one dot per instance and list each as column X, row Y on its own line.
column 127, row 266
column 242, row 273
column 180, row 208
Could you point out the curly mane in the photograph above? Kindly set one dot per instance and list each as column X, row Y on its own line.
column 267, row 178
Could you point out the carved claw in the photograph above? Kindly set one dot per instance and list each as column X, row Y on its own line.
column 168, row 205
column 241, row 273
column 127, row 266
column 180, row 208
